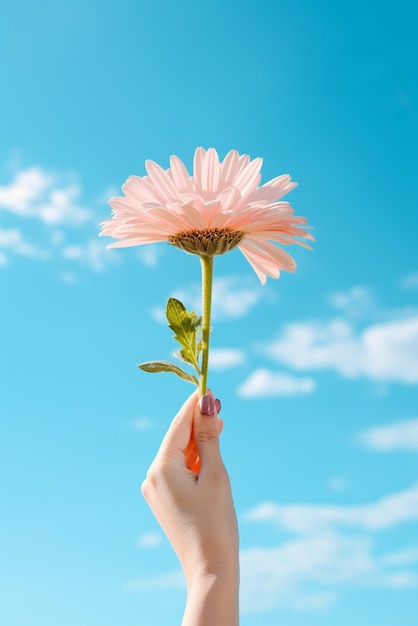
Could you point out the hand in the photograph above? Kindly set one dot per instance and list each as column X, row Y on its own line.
column 188, row 490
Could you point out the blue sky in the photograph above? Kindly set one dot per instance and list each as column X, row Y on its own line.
column 317, row 371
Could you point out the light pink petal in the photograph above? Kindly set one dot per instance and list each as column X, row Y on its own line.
column 162, row 181
column 129, row 229
column 180, row 175
column 220, row 220
column 285, row 239
column 140, row 189
column 283, row 258
column 249, row 178
column 140, row 241
column 260, row 261
column 272, row 190
column 198, row 160
column 229, row 198
column 194, row 218
column 167, row 218
column 229, row 169
column 210, row 210
column 209, row 176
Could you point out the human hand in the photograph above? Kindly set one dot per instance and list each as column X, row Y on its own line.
column 188, row 490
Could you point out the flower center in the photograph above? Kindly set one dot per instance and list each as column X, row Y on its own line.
column 207, row 242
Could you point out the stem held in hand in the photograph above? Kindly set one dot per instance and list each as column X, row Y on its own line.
column 207, row 274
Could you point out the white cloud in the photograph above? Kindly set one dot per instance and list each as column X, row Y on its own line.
column 335, row 548
column 91, row 254
column 38, row 194
column 27, row 187
column 384, row 352
column 397, row 436
column 410, row 281
column 264, row 383
column 354, row 302
column 223, row 358
column 12, row 239
column 308, row 573
column 306, row 518
column 232, row 297
column 149, row 540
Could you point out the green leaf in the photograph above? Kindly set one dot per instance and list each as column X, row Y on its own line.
column 186, row 325
column 154, row 367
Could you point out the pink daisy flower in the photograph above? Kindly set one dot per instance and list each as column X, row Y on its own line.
column 217, row 209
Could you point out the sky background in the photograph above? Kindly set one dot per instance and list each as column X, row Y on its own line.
column 317, row 372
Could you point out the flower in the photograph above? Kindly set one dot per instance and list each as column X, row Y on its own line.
column 217, row 209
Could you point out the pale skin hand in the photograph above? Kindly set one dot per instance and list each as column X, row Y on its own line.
column 188, row 490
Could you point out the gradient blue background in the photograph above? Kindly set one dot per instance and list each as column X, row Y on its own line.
column 325, row 91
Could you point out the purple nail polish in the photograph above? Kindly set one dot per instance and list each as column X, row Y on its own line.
column 207, row 406
column 218, row 405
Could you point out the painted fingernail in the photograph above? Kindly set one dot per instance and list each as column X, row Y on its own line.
column 218, row 405
column 207, row 406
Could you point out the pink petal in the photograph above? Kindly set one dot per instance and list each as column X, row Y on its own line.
column 168, row 218
column 229, row 169
column 162, row 181
column 229, row 198
column 208, row 182
column 249, row 177
column 193, row 217
column 140, row 241
column 180, row 175
column 273, row 190
column 199, row 157
column 140, row 189
column 283, row 258
column 260, row 261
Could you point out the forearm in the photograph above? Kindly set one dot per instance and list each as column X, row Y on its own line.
column 213, row 600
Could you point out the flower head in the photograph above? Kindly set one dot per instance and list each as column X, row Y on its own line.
column 217, row 209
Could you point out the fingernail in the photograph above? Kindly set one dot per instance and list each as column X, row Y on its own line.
column 207, row 406
column 218, row 405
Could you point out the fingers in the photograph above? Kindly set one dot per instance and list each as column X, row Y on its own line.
column 206, row 433
column 180, row 430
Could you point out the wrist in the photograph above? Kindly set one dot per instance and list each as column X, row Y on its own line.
column 213, row 598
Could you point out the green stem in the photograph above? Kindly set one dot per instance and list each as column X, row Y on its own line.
column 207, row 274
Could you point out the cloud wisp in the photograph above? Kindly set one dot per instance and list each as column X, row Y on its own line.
column 402, row 435
column 335, row 547
column 384, row 352
column 263, row 382
column 34, row 193
column 389, row 511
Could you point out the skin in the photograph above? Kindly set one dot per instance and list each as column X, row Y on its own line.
column 188, row 489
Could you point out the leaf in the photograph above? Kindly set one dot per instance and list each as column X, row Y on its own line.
column 185, row 325
column 154, row 367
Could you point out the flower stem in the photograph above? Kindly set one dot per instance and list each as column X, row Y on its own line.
column 207, row 274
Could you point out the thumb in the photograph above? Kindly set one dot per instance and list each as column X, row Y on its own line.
column 206, row 433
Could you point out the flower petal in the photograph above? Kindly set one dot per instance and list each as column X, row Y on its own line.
column 261, row 262
column 209, row 175
column 162, row 181
column 181, row 176
column 140, row 189
column 249, row 177
column 229, row 169
column 283, row 258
